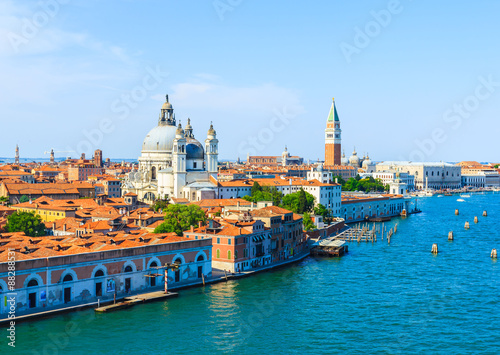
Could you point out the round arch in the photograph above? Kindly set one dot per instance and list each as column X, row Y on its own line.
column 179, row 256
column 154, row 259
column 131, row 264
column 66, row 273
column 30, row 277
column 101, row 268
column 201, row 255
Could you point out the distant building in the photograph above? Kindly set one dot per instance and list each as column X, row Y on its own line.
column 16, row 159
column 98, row 158
column 434, row 175
column 284, row 160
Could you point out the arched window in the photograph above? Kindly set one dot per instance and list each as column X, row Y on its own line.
column 153, row 264
column 178, row 261
column 68, row 278
column 236, row 254
column 218, row 254
column 33, row 283
column 153, row 173
column 99, row 273
column 128, row 268
column 200, row 258
column 229, row 254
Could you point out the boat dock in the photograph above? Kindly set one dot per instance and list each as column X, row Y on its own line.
column 133, row 300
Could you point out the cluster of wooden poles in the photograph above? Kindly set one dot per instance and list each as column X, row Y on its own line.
column 466, row 226
column 363, row 232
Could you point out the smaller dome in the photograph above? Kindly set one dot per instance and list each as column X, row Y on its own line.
column 366, row 161
column 179, row 130
column 194, row 150
column 354, row 159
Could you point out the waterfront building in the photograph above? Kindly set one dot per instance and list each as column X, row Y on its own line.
column 434, row 175
column 247, row 238
column 388, row 177
column 237, row 245
column 358, row 207
column 57, row 272
column 478, row 175
column 173, row 163
column 474, row 180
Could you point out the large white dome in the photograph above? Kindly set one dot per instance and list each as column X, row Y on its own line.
column 160, row 138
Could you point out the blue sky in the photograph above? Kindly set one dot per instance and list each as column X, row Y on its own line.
column 416, row 80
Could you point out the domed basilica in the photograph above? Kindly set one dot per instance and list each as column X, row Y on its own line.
column 173, row 163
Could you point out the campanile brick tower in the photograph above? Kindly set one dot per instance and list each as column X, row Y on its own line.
column 333, row 151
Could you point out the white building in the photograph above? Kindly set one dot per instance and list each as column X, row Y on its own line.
column 388, row 177
column 323, row 176
column 474, row 180
column 173, row 163
column 436, row 175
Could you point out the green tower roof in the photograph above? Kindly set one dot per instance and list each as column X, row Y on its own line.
column 333, row 116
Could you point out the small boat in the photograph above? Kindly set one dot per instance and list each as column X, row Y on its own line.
column 460, row 200
column 440, row 195
column 465, row 195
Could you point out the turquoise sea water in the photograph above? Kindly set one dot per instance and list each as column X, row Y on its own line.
column 378, row 299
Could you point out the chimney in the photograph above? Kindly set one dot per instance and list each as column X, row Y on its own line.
column 336, row 180
column 199, row 224
column 192, row 228
column 64, row 227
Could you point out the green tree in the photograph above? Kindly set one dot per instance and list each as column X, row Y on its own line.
column 255, row 188
column 295, row 202
column 179, row 218
column 24, row 199
column 340, row 180
column 265, row 193
column 4, row 200
column 321, row 210
column 307, row 222
column 27, row 222
column 160, row 204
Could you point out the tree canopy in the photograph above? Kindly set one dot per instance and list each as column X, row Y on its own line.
column 24, row 199
column 307, row 222
column 368, row 184
column 27, row 222
column 179, row 218
column 265, row 193
column 298, row 202
column 160, row 204
column 321, row 210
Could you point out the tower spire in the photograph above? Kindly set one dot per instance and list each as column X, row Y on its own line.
column 333, row 140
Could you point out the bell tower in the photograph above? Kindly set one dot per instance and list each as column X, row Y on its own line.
column 179, row 161
column 333, row 139
column 212, row 151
